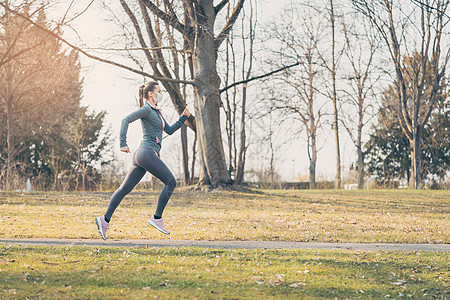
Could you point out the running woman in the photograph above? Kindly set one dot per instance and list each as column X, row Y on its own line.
column 146, row 158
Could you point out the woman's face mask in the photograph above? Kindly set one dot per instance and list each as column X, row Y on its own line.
column 158, row 97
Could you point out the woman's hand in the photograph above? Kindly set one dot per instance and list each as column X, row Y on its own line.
column 125, row 149
column 186, row 112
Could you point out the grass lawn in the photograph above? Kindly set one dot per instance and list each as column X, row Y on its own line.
column 373, row 216
column 73, row 272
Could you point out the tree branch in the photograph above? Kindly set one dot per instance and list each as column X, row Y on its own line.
column 134, row 49
column 154, row 35
column 77, row 15
column 154, row 42
column 434, row 91
column 171, row 19
column 219, row 6
column 431, row 7
column 171, row 87
column 151, row 60
column 6, row 58
column 258, row 77
column 51, row 33
column 227, row 28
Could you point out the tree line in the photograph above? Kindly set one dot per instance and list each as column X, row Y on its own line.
column 45, row 134
column 374, row 70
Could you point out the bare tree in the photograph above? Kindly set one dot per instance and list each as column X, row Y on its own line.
column 239, row 178
column 299, row 39
column 230, row 105
column 270, row 125
column 419, row 26
column 201, row 44
column 330, row 62
column 244, row 54
column 334, row 96
column 361, row 46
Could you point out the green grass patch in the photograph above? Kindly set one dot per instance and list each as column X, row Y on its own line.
column 188, row 273
column 373, row 216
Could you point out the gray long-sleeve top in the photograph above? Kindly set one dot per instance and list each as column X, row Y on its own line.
column 153, row 124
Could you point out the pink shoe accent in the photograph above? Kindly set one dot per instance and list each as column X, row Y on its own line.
column 102, row 226
column 158, row 224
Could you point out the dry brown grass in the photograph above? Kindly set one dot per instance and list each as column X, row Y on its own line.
column 296, row 215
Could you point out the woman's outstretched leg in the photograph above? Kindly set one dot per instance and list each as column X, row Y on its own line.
column 148, row 160
column 165, row 195
column 134, row 175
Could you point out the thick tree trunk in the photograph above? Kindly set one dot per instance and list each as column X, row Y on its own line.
column 207, row 104
column 211, row 153
column 415, row 162
column 360, row 168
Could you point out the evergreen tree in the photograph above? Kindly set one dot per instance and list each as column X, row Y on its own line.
column 390, row 157
column 40, row 94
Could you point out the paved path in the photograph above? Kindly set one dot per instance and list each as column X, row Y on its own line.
column 229, row 244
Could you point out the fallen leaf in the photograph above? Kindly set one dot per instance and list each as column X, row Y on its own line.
column 276, row 280
column 398, row 282
column 297, row 284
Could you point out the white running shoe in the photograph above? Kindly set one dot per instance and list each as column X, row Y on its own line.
column 158, row 224
column 102, row 226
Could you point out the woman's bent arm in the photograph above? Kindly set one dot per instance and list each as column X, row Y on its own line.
column 169, row 129
column 142, row 112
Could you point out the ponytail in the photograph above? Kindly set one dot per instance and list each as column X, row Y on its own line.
column 141, row 95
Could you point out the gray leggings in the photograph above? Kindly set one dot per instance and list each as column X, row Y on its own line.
column 144, row 160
